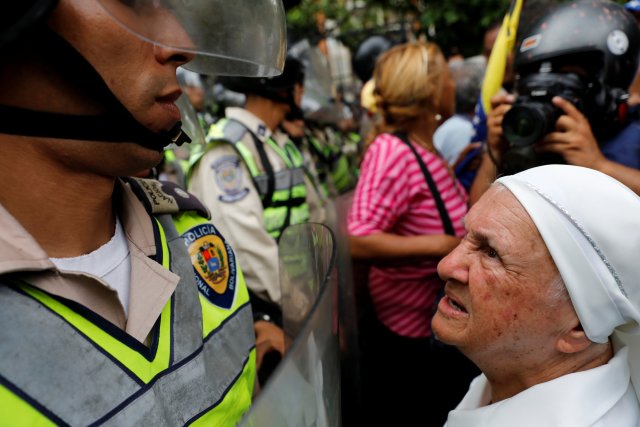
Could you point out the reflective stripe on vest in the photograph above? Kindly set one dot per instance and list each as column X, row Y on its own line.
column 62, row 363
column 290, row 192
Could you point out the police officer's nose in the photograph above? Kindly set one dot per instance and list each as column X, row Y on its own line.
column 176, row 46
column 165, row 55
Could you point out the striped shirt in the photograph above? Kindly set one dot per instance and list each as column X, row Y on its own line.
column 392, row 196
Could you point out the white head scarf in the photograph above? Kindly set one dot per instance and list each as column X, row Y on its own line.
column 591, row 225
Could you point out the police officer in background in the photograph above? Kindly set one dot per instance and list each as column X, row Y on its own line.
column 251, row 174
column 121, row 304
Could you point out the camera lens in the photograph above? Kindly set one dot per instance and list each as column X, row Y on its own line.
column 527, row 123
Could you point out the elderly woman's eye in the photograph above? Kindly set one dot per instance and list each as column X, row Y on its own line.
column 491, row 253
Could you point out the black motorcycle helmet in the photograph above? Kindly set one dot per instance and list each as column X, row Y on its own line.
column 364, row 59
column 599, row 37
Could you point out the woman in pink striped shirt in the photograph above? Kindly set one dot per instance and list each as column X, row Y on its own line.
column 394, row 223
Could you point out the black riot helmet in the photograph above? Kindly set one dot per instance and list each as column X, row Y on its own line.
column 279, row 88
column 364, row 59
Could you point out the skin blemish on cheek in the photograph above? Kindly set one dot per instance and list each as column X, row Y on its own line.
column 508, row 315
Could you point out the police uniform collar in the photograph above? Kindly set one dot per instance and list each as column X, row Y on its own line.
column 251, row 121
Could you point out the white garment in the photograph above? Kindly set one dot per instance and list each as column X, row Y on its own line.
column 110, row 262
column 452, row 136
column 599, row 397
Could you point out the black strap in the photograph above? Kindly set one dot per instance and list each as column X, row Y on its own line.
column 116, row 124
column 446, row 221
column 264, row 159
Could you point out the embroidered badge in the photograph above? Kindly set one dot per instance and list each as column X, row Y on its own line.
column 158, row 199
column 229, row 179
column 214, row 264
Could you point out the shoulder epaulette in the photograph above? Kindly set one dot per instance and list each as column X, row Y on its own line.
column 230, row 131
column 234, row 131
column 165, row 197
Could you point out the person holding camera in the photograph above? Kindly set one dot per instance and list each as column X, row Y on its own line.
column 573, row 70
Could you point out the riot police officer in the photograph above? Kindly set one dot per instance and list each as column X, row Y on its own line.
column 251, row 175
column 121, row 303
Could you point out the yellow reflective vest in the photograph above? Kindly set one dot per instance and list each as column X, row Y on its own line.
column 62, row 364
column 283, row 193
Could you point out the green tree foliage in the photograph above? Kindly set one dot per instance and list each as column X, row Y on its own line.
column 459, row 23
column 453, row 24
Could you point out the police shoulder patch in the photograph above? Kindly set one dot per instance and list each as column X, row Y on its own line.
column 229, row 179
column 165, row 197
column 214, row 264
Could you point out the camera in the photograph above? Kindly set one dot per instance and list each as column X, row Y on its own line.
column 533, row 115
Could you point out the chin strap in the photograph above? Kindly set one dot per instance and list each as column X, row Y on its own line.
column 116, row 125
column 105, row 128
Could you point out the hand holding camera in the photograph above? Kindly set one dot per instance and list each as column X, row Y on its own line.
column 542, row 125
column 572, row 138
column 496, row 142
column 533, row 114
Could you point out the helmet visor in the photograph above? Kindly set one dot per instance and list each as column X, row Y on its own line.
column 242, row 38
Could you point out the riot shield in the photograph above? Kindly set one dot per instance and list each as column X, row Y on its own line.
column 304, row 390
column 352, row 286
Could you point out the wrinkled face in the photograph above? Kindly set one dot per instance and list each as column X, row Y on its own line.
column 498, row 307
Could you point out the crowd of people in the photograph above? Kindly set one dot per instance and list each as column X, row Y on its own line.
column 140, row 264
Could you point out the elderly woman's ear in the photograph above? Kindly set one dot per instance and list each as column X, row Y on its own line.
column 574, row 340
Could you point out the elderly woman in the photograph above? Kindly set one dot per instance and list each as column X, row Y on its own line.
column 403, row 225
column 543, row 294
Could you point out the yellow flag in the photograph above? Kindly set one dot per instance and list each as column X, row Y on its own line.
column 498, row 58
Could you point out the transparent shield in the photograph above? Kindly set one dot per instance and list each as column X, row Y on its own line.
column 190, row 123
column 243, row 37
column 351, row 287
column 304, row 390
